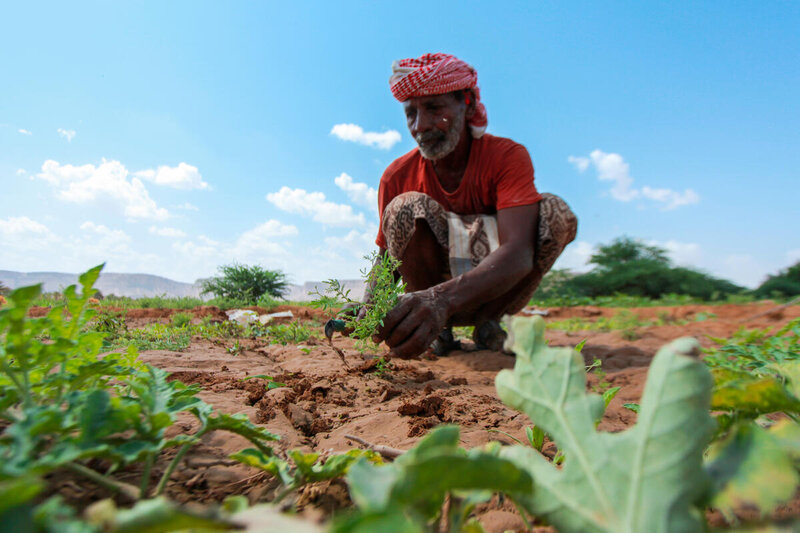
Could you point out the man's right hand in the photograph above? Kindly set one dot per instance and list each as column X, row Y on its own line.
column 413, row 324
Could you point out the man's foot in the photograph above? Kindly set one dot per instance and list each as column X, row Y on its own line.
column 489, row 336
column 445, row 343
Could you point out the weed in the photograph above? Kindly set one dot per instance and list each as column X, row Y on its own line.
column 235, row 349
column 180, row 320
column 291, row 333
column 383, row 368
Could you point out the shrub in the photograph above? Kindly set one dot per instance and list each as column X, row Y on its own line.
column 783, row 284
column 246, row 283
column 628, row 266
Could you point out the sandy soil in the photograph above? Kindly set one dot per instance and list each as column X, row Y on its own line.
column 324, row 400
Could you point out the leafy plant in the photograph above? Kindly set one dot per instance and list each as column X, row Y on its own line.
column 409, row 494
column 291, row 333
column 246, row 283
column 180, row 320
column 63, row 405
column 644, row 479
column 383, row 290
column 302, row 467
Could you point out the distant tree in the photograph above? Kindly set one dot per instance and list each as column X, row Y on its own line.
column 245, row 283
column 785, row 283
column 631, row 267
column 625, row 250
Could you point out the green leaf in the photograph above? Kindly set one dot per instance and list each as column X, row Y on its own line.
column 609, row 395
column 631, row 407
column 419, row 479
column 643, row 479
column 535, row 436
column 266, row 462
column 755, row 467
column 742, row 391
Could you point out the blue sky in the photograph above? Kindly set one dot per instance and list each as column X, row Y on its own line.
column 174, row 137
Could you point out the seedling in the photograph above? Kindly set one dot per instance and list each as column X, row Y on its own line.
column 383, row 290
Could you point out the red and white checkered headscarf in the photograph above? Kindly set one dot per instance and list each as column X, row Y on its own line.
column 438, row 74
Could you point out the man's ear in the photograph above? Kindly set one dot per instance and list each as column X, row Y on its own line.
column 469, row 100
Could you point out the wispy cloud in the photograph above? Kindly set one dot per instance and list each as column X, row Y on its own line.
column 67, row 134
column 613, row 168
column 184, row 176
column 164, row 231
column 357, row 192
column 186, row 206
column 355, row 133
column 314, row 205
column 86, row 183
column 24, row 131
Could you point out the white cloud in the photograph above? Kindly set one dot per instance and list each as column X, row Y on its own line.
column 680, row 253
column 357, row 243
column 581, row 163
column 259, row 239
column 164, row 231
column 67, row 134
column 184, row 176
column 360, row 193
column 21, row 172
column 21, row 228
column 576, row 257
column 186, row 206
column 114, row 236
column 85, row 183
column 313, row 204
column 355, row 133
column 24, row 131
column 742, row 269
column 612, row 167
column 669, row 198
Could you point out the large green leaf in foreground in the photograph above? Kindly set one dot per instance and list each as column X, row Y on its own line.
column 643, row 479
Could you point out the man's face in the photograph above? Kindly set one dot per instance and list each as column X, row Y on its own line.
column 436, row 123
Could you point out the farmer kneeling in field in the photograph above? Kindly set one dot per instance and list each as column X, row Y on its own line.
column 462, row 213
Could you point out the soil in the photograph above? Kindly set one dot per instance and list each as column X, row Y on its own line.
column 324, row 401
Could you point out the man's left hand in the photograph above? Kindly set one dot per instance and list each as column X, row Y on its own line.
column 414, row 323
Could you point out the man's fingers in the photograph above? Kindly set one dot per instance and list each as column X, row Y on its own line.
column 404, row 329
column 416, row 344
column 393, row 318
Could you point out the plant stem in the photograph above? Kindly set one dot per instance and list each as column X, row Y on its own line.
column 115, row 486
column 143, row 484
column 162, row 483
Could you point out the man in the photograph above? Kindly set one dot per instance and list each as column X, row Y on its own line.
column 462, row 214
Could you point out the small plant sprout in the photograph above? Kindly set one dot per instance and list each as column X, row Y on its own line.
column 363, row 319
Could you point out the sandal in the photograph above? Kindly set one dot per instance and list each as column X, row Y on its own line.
column 445, row 343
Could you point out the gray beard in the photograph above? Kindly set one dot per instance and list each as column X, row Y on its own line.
column 446, row 143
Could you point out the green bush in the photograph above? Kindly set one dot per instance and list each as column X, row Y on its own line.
column 630, row 267
column 245, row 283
column 785, row 283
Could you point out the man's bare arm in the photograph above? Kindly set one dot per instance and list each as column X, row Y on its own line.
column 419, row 316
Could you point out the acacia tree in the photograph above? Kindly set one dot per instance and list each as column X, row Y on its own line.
column 246, row 283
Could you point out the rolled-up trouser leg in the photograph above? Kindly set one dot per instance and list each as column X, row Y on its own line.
column 470, row 238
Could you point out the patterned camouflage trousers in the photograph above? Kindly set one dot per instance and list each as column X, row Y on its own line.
column 470, row 238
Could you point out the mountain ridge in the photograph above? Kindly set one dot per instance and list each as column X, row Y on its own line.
column 138, row 285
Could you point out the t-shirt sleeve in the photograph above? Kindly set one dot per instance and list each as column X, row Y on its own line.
column 515, row 185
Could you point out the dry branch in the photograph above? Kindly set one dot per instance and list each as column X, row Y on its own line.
column 385, row 451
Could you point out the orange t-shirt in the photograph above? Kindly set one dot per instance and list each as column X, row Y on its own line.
column 499, row 174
